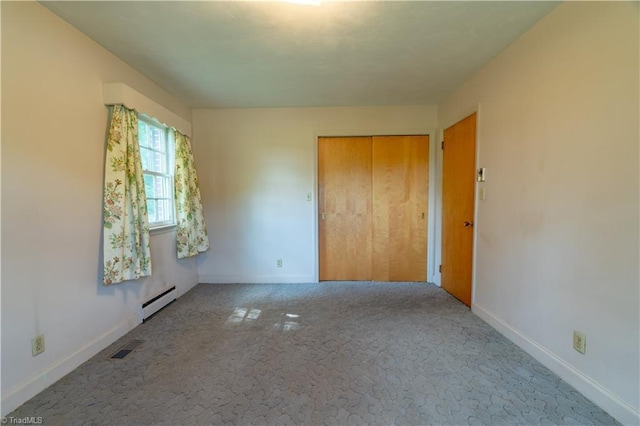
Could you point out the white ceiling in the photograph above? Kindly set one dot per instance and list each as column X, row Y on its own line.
column 212, row 54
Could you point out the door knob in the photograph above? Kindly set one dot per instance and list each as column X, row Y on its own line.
column 467, row 224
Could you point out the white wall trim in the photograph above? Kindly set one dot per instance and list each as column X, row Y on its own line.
column 27, row 390
column 476, row 205
column 121, row 94
column 257, row 279
column 433, row 249
column 591, row 389
column 436, row 276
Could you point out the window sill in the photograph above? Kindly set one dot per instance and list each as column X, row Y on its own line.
column 162, row 229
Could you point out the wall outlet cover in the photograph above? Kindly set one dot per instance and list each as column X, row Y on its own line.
column 37, row 345
column 579, row 341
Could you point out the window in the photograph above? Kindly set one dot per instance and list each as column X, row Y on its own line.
column 156, row 152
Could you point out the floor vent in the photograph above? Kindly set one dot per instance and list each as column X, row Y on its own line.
column 153, row 305
column 126, row 349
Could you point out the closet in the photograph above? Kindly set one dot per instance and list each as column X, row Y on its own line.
column 372, row 206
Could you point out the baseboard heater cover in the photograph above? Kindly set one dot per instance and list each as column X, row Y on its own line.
column 153, row 305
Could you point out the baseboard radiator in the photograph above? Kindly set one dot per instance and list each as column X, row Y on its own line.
column 147, row 309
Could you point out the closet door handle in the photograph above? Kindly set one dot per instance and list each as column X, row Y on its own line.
column 467, row 224
column 323, row 215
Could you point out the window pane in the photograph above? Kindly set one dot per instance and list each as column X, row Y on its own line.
column 155, row 153
column 153, row 147
column 158, row 186
column 166, row 189
column 170, row 184
column 152, row 211
column 149, row 187
column 158, row 137
column 168, row 207
column 162, row 214
column 158, row 162
column 144, row 158
column 153, row 161
column 143, row 138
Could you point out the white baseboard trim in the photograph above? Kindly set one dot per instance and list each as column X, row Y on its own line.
column 25, row 391
column 592, row 390
column 256, row 279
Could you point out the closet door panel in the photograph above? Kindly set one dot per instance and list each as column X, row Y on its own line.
column 344, row 208
column 400, row 185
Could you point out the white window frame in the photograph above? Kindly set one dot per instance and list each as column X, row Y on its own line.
column 170, row 154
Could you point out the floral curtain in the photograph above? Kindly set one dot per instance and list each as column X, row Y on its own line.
column 127, row 254
column 191, row 235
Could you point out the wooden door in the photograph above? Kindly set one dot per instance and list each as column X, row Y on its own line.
column 458, row 206
column 400, row 179
column 344, row 204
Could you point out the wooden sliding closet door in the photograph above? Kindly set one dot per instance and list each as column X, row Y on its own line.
column 400, row 179
column 344, row 203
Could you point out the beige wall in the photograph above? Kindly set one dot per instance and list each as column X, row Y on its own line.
column 256, row 167
column 557, row 236
column 53, row 135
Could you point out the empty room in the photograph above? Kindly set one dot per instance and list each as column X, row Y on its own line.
column 320, row 212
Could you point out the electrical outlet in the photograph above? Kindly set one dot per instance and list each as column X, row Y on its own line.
column 37, row 345
column 579, row 341
column 279, row 263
